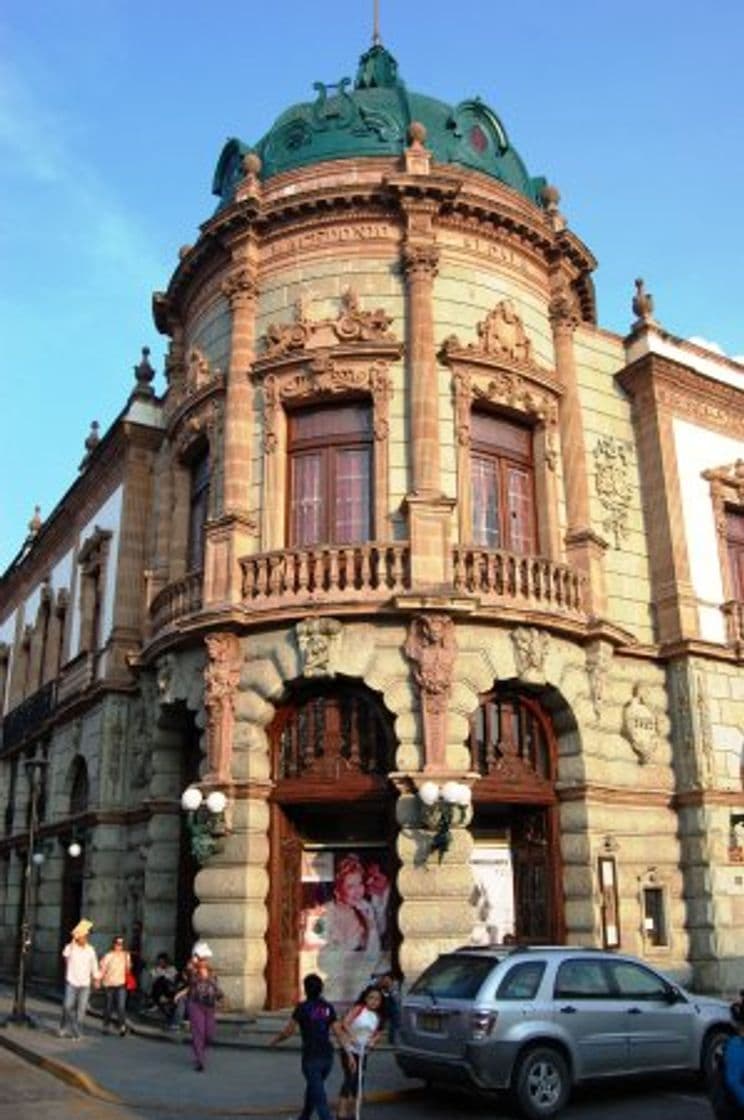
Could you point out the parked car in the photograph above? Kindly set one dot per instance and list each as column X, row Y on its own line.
column 535, row 1021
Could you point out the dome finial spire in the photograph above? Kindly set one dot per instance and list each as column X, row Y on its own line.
column 376, row 40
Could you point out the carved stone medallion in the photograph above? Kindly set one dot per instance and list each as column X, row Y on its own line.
column 639, row 725
column 530, row 650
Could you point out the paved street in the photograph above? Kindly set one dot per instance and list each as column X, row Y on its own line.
column 150, row 1078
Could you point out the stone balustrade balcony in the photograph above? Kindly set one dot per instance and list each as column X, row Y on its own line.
column 176, row 602
column 375, row 573
column 331, row 574
column 500, row 578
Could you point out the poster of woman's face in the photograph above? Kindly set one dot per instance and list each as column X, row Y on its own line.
column 345, row 934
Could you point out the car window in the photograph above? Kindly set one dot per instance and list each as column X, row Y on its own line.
column 454, row 977
column 582, row 979
column 521, row 981
column 633, row 981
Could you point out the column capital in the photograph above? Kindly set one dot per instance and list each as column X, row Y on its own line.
column 240, row 287
column 420, row 260
column 562, row 311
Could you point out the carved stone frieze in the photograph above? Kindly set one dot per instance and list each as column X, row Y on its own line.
column 221, row 679
column 530, row 651
column 352, row 324
column 612, row 481
column 318, row 641
column 432, row 649
column 640, row 725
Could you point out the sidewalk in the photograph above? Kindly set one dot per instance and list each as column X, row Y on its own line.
column 152, row 1069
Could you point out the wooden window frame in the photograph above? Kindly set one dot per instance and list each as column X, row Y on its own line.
column 526, row 395
column 727, row 497
column 328, row 445
column 504, row 460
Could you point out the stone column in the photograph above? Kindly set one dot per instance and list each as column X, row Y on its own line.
column 585, row 549
column 435, row 914
column 230, row 535
column 429, row 512
column 163, row 839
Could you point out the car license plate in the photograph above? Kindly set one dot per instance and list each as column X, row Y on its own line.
column 429, row 1021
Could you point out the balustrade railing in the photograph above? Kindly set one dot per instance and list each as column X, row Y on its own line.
column 362, row 572
column 525, row 581
column 176, row 601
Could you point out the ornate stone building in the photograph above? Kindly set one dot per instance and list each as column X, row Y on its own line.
column 438, row 582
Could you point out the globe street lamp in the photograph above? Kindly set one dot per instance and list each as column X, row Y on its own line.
column 35, row 770
column 205, row 820
column 443, row 807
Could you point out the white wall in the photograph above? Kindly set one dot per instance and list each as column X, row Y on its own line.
column 699, row 449
column 108, row 518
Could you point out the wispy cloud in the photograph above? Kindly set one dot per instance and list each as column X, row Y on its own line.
column 39, row 145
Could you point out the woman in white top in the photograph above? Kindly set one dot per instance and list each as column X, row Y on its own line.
column 361, row 1026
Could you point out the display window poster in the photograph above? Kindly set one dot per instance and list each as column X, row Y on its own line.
column 345, row 920
column 493, row 893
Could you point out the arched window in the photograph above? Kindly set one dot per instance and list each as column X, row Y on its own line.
column 511, row 740
column 79, row 787
column 330, row 733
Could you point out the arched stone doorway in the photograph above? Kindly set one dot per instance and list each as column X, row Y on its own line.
column 332, row 876
column 516, row 858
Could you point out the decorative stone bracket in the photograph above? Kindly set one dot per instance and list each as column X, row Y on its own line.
column 221, row 678
column 432, row 650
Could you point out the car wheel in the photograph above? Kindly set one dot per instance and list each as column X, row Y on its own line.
column 542, row 1083
column 713, row 1045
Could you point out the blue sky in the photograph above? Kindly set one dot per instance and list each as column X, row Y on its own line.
column 113, row 114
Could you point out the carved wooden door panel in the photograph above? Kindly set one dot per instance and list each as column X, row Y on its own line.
column 534, row 894
column 284, row 912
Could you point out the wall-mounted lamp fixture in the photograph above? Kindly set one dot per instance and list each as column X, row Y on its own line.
column 443, row 807
column 205, row 820
column 74, row 849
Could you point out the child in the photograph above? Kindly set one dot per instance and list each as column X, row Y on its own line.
column 362, row 1027
column 202, row 994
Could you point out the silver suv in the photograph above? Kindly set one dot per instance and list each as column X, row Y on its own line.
column 537, row 1020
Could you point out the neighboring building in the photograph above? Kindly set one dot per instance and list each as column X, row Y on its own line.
column 405, row 514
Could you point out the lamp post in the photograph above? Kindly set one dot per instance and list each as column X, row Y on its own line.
column 205, row 820
column 442, row 807
column 35, row 769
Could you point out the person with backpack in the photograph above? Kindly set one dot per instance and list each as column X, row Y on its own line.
column 727, row 1090
column 317, row 1020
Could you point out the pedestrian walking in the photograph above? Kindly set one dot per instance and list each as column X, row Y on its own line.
column 361, row 1026
column 727, row 1089
column 389, row 987
column 81, row 972
column 202, row 995
column 316, row 1020
column 115, row 965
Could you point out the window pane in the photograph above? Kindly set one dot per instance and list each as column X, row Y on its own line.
column 198, row 511
column 486, row 512
column 635, row 982
column 306, row 500
column 582, row 979
column 352, row 520
column 519, row 504
column 499, row 434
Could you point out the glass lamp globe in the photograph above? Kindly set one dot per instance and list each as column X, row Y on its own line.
column 38, row 858
column 216, row 801
column 466, row 794
column 74, row 849
column 429, row 793
column 191, row 799
column 451, row 793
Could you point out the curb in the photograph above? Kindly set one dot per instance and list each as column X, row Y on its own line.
column 71, row 1075
column 84, row 1083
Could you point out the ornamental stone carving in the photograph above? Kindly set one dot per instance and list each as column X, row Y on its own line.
column 240, row 287
column 221, row 679
column 612, row 481
column 432, row 649
column 640, row 725
column 198, row 371
column 318, row 641
column 322, row 378
column 352, row 324
column 598, row 661
column 563, row 308
column 530, row 651
column 420, row 262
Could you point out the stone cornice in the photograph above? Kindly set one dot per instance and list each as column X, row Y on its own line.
column 680, row 391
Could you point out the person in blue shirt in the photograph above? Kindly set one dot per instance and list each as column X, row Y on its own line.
column 727, row 1094
column 317, row 1021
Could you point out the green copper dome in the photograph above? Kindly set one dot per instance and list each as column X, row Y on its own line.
column 372, row 119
